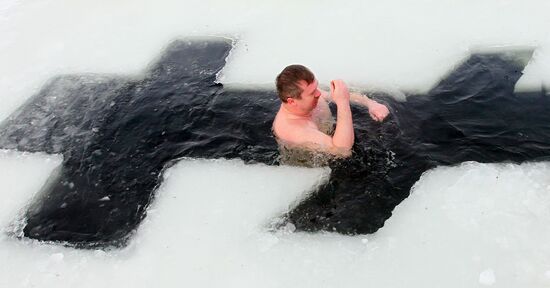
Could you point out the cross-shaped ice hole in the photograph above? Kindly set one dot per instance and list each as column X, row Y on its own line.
column 207, row 228
column 117, row 133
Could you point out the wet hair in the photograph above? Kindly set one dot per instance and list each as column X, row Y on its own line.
column 287, row 81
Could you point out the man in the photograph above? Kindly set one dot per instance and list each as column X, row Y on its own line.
column 304, row 118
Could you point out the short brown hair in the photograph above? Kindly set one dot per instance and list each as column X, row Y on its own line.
column 287, row 81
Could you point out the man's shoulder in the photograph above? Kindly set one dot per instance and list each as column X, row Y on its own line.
column 290, row 129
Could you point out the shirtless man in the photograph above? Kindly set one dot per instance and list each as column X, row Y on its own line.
column 304, row 115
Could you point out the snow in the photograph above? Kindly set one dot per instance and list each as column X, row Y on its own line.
column 467, row 226
column 391, row 44
column 458, row 222
column 487, row 277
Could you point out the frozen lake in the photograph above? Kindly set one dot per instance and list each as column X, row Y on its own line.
column 465, row 226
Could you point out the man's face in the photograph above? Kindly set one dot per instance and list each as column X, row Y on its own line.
column 309, row 97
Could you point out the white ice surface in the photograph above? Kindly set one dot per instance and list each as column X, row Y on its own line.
column 21, row 176
column 467, row 226
column 459, row 223
column 394, row 44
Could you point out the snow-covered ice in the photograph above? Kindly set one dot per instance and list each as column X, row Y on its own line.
column 209, row 225
column 447, row 233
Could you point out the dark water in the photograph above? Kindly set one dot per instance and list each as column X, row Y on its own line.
column 117, row 135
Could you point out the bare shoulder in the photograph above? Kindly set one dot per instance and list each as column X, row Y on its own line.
column 299, row 132
column 284, row 128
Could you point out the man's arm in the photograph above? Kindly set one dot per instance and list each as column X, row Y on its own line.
column 377, row 111
column 342, row 140
column 343, row 134
column 317, row 140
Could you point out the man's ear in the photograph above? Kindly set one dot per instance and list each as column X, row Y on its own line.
column 290, row 101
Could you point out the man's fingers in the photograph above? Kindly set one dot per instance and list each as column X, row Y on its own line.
column 337, row 83
column 374, row 117
column 379, row 116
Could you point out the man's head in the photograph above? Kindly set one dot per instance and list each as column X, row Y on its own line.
column 290, row 82
column 298, row 89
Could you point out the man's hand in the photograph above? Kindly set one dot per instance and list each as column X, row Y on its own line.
column 339, row 92
column 341, row 96
column 378, row 111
